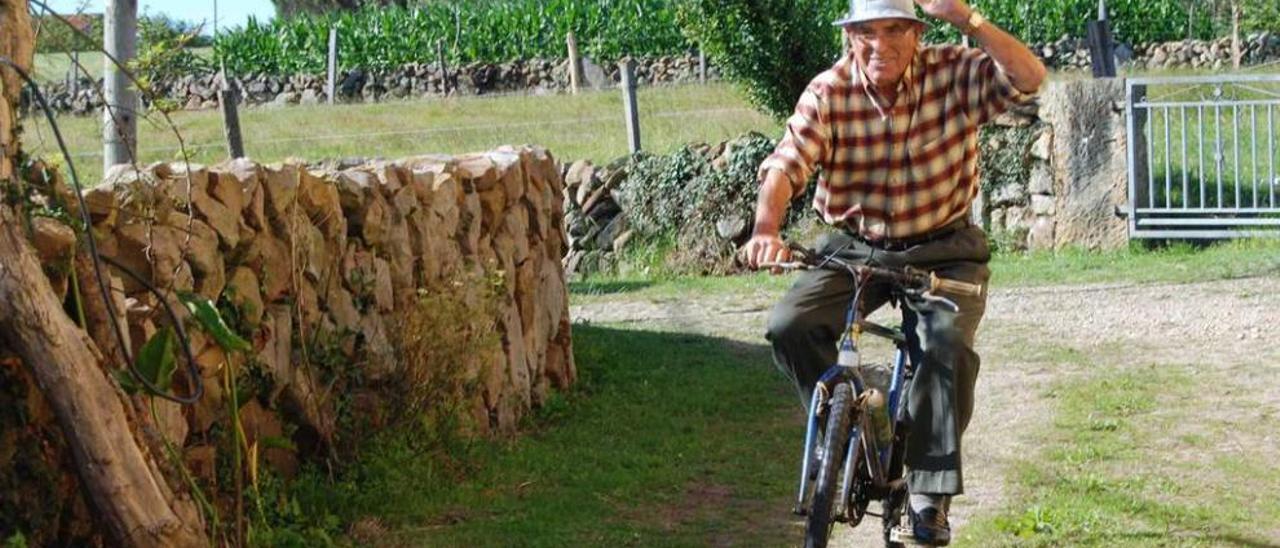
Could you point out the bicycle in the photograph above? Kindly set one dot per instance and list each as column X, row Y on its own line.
column 855, row 436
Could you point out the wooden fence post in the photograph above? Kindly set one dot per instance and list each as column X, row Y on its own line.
column 1236, row 52
column 331, row 87
column 231, row 122
column 702, row 65
column 628, row 67
column 74, row 73
column 575, row 64
column 444, row 68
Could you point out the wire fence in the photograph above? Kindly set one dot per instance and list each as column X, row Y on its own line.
column 591, row 125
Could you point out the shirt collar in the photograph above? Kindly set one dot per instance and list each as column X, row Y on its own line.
column 905, row 84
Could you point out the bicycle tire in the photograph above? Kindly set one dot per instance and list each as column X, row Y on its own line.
column 821, row 520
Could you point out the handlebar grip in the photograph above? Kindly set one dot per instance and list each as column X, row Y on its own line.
column 957, row 287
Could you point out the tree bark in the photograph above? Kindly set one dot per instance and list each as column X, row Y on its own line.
column 124, row 487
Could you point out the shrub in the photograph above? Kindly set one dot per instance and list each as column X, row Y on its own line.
column 443, row 341
column 681, row 196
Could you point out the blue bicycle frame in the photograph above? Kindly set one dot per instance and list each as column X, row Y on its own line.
column 840, row 373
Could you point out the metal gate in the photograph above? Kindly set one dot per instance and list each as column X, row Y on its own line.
column 1202, row 156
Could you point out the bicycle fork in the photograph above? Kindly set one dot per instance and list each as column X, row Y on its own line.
column 833, row 376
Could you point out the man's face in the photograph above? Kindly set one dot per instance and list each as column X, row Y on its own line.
column 884, row 48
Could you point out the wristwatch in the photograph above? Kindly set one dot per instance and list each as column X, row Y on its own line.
column 976, row 20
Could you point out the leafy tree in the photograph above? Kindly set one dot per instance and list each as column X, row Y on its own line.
column 769, row 48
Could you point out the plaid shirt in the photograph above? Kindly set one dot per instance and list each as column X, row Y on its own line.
column 900, row 171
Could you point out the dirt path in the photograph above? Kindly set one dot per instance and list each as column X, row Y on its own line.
column 1030, row 339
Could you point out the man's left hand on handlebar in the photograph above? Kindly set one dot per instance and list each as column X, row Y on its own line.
column 765, row 249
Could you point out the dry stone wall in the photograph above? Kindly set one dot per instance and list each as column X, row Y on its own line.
column 317, row 269
column 298, row 251
column 1054, row 174
column 1255, row 49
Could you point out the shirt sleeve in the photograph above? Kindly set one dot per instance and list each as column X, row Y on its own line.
column 986, row 91
column 804, row 144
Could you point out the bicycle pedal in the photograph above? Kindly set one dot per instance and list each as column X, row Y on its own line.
column 904, row 536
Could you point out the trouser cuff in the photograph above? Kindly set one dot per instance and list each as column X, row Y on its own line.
column 935, row 482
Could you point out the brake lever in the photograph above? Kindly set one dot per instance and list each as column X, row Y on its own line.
column 935, row 301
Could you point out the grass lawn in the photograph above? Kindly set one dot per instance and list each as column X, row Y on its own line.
column 667, row 439
column 589, row 126
column 53, row 67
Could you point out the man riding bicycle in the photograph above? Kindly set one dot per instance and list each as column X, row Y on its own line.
column 894, row 126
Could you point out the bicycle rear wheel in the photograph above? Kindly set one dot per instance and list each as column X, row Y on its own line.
column 821, row 519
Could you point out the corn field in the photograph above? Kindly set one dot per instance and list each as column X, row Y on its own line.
column 490, row 31
column 606, row 30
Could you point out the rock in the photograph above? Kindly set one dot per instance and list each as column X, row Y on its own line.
column 210, row 362
column 380, row 360
column 315, row 251
column 585, row 188
column 342, row 308
column 382, row 289
column 374, row 222
column 202, row 253
column 580, row 171
column 1041, row 179
column 1042, row 205
column 101, row 201
column 603, row 211
column 1015, row 218
column 286, row 98
column 1042, row 148
column 233, row 183
column 1090, row 172
column 607, row 236
column 1159, row 57
column 578, row 224
column 1041, row 235
column 244, row 292
column 590, row 203
column 620, row 242
column 997, row 221
column 151, row 252
column 320, row 201
column 573, row 260
column 170, row 422
column 281, row 188
column 309, row 97
column 201, row 461
column 225, row 222
column 732, row 227
column 1011, row 119
column 261, row 425
column 55, row 242
column 1010, row 194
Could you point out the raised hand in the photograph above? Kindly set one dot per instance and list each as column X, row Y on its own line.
column 955, row 12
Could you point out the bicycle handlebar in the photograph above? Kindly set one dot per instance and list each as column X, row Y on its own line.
column 909, row 277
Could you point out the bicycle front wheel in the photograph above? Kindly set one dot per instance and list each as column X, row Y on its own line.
column 821, row 519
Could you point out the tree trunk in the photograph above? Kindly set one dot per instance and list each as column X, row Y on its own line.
column 127, row 492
